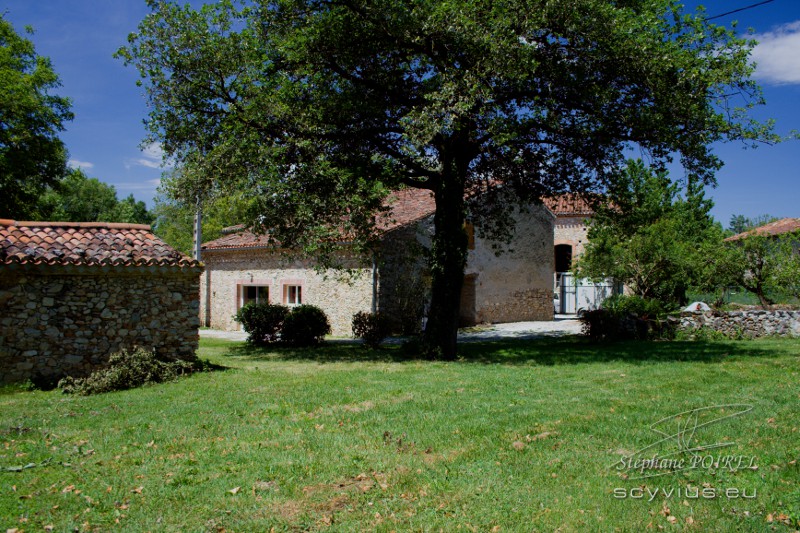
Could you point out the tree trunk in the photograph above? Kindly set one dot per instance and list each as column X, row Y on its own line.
column 766, row 303
column 448, row 259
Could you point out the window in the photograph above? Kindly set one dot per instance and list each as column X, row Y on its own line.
column 292, row 294
column 254, row 294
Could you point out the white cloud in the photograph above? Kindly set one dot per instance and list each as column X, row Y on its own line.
column 153, row 157
column 85, row 165
column 778, row 54
column 144, row 185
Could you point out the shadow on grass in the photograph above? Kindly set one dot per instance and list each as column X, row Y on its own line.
column 545, row 351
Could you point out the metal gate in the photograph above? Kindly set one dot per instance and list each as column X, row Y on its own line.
column 573, row 296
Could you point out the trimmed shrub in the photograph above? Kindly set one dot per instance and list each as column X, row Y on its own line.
column 262, row 321
column 128, row 370
column 628, row 317
column 371, row 327
column 305, row 325
column 621, row 304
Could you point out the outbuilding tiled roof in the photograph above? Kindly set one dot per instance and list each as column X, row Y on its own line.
column 778, row 227
column 86, row 244
column 238, row 238
column 569, row 204
column 405, row 207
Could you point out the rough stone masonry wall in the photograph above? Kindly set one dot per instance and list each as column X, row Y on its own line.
column 516, row 285
column 574, row 231
column 404, row 282
column 228, row 270
column 745, row 323
column 54, row 325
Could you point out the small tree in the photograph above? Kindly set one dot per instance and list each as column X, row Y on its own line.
column 788, row 275
column 741, row 223
column 648, row 236
column 767, row 264
column 758, row 265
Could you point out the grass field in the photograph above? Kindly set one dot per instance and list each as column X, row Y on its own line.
column 516, row 436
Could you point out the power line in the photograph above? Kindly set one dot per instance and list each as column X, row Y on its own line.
column 740, row 9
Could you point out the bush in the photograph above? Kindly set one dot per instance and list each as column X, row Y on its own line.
column 371, row 327
column 128, row 370
column 305, row 325
column 262, row 321
column 635, row 305
column 628, row 317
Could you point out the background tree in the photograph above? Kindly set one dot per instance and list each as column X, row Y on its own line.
column 650, row 237
column 32, row 157
column 788, row 276
column 758, row 260
column 79, row 198
column 768, row 265
column 174, row 218
column 320, row 108
column 740, row 223
column 131, row 211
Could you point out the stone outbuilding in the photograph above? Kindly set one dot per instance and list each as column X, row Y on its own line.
column 71, row 294
column 516, row 285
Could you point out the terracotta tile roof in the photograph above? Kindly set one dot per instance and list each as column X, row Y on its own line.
column 238, row 238
column 405, row 207
column 569, row 204
column 778, row 227
column 85, row 244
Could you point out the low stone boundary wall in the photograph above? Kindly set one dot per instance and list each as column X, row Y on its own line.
column 745, row 323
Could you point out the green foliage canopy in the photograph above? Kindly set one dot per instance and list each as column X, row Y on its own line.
column 32, row 157
column 741, row 223
column 174, row 216
column 765, row 265
column 650, row 237
column 79, row 198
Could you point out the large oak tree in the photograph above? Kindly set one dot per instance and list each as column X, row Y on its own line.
column 322, row 106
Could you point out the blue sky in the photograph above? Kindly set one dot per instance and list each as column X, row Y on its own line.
column 80, row 37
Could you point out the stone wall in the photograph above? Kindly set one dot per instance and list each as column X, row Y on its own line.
column 572, row 230
column 745, row 323
column 517, row 284
column 512, row 286
column 227, row 271
column 404, row 280
column 67, row 320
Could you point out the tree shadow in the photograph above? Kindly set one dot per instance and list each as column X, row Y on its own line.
column 543, row 351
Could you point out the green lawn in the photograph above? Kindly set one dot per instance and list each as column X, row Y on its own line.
column 517, row 436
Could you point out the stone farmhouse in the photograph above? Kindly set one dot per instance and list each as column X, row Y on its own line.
column 517, row 285
column 74, row 293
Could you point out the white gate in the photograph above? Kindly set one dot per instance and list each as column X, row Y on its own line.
column 573, row 295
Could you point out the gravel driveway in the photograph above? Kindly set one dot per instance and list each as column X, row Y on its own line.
column 562, row 325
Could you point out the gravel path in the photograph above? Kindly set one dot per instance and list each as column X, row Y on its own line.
column 562, row 325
